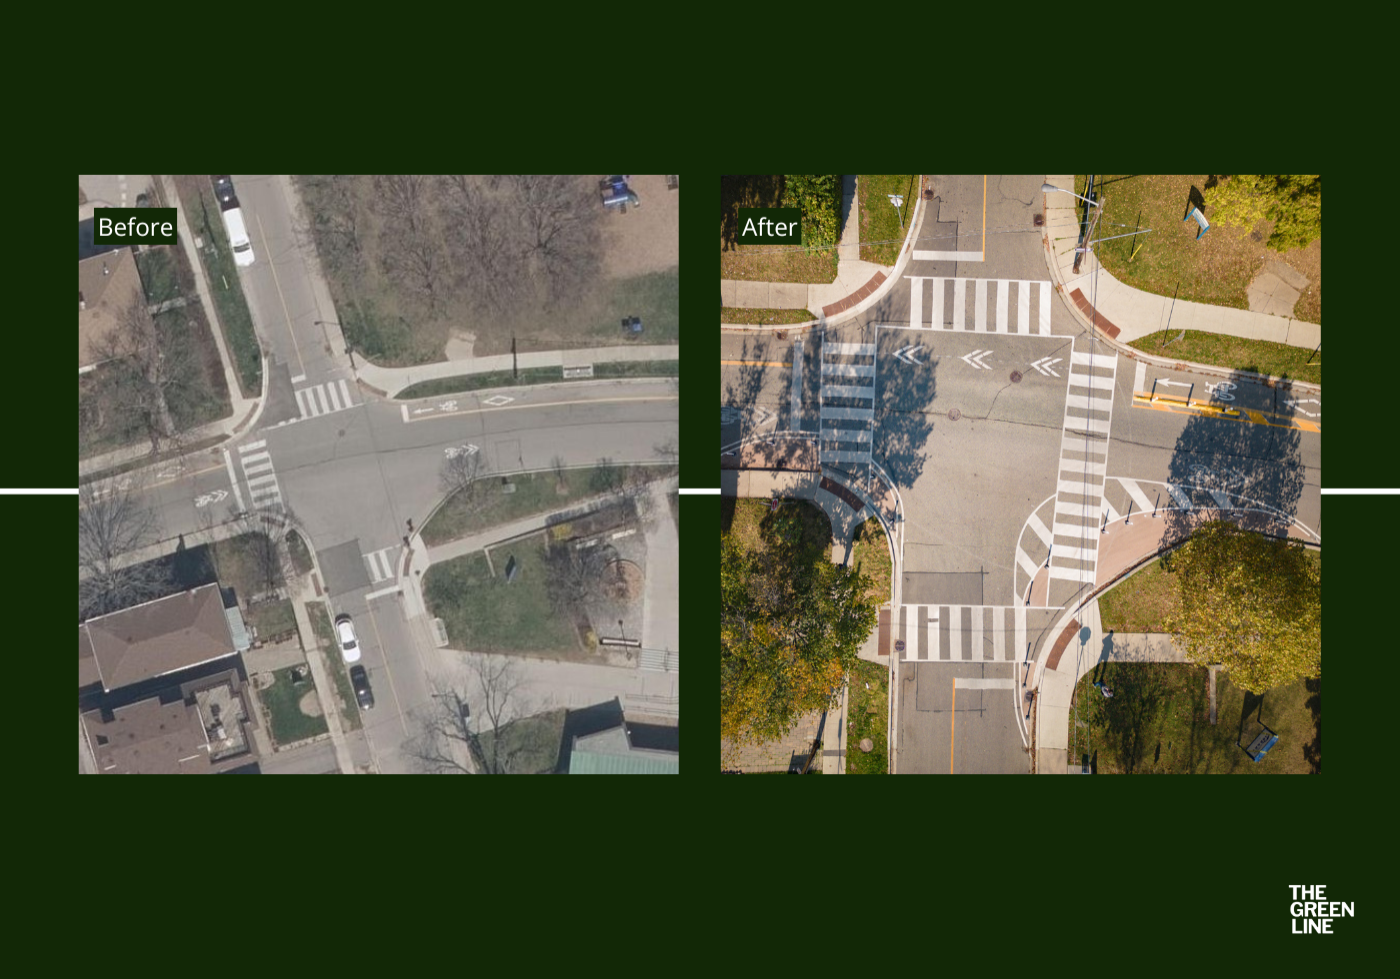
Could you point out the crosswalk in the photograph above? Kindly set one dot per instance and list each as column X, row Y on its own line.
column 380, row 564
column 322, row 399
column 1079, row 498
column 263, row 490
column 847, row 404
column 998, row 305
column 660, row 660
column 968, row 633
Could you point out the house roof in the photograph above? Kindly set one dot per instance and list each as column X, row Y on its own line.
column 107, row 284
column 168, row 734
column 159, row 637
column 610, row 752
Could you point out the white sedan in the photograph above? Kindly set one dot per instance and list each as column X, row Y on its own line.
column 349, row 644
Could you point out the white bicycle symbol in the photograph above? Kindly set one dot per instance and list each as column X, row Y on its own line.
column 1222, row 390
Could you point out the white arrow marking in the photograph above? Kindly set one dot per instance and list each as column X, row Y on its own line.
column 762, row 416
column 423, row 411
column 1307, row 401
column 457, row 450
column 1044, row 364
column 906, row 354
column 217, row 496
column 1174, row 384
column 975, row 359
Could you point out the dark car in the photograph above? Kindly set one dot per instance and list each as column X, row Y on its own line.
column 223, row 190
column 363, row 693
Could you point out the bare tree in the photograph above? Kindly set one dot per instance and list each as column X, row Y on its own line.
column 113, row 523
column 334, row 217
column 607, row 476
column 449, row 730
column 462, row 476
column 481, row 235
column 561, row 222
column 577, row 574
column 143, row 374
column 268, row 527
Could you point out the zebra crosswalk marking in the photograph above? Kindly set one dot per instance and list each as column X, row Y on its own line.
column 323, row 399
column 1007, row 633
column 256, row 463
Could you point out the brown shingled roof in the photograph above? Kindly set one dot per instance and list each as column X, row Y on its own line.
column 105, row 295
column 159, row 637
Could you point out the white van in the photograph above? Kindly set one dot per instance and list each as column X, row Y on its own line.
column 238, row 237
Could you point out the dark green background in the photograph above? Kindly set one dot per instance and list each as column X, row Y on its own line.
column 790, row 216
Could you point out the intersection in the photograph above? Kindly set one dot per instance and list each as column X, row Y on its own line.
column 1017, row 440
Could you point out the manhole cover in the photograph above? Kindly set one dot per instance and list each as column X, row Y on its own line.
column 954, row 415
column 899, row 645
column 1039, row 220
column 1015, row 377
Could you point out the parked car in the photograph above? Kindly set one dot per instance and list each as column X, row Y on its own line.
column 363, row 693
column 349, row 643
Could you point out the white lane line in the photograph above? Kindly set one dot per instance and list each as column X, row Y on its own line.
column 1073, row 574
column 984, row 683
column 1045, row 309
column 1020, row 631
column 334, row 396
column 955, row 632
column 233, row 480
column 797, row 384
column 1182, row 497
column 382, row 592
column 1041, row 531
column 1086, row 531
column 345, row 391
column 959, row 303
column 1140, row 377
column 853, row 349
column 1222, row 499
column 977, row 615
column 927, row 256
column 1023, row 307
column 916, row 303
column 936, row 310
column 1027, row 565
column 1135, row 491
column 931, row 650
column 252, row 445
column 981, row 306
column 999, row 635
column 1002, row 288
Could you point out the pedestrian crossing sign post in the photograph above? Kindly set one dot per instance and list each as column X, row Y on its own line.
column 898, row 201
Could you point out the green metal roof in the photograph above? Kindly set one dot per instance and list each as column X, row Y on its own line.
column 633, row 763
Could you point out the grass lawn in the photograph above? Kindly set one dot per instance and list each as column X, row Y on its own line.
column 1158, row 721
column 654, row 298
column 529, row 745
column 871, row 555
column 534, row 493
column 740, row 314
column 202, row 212
column 281, row 699
column 1236, row 353
column 236, row 560
column 325, row 638
column 764, row 263
column 1141, row 602
column 867, row 716
column 484, row 614
column 272, row 619
column 752, row 516
column 1215, row 270
column 536, row 375
column 158, row 275
column 879, row 220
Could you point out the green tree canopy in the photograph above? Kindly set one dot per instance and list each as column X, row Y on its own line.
column 791, row 624
column 1293, row 203
column 1250, row 603
column 819, row 197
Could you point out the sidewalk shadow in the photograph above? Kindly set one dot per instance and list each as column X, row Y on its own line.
column 904, row 397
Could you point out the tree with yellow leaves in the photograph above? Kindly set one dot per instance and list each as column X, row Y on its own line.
column 1250, row 603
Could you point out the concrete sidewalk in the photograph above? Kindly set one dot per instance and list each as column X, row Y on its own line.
column 1131, row 314
column 859, row 285
column 1061, row 661
column 391, row 380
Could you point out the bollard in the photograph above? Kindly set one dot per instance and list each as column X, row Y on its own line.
column 1128, row 520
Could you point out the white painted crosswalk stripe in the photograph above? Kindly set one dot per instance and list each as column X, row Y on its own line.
column 324, row 399
column 996, row 633
column 847, row 380
column 381, row 567
column 983, row 319
column 256, row 463
column 1083, row 465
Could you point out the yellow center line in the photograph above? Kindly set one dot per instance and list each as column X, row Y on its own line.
column 755, row 363
column 544, row 404
column 280, row 298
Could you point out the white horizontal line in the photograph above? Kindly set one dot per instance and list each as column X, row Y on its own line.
column 983, row 683
column 920, row 256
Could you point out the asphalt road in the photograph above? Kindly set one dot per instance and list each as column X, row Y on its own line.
column 986, row 390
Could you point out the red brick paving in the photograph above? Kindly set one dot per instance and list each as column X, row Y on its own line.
column 863, row 292
column 1094, row 317
column 1061, row 643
